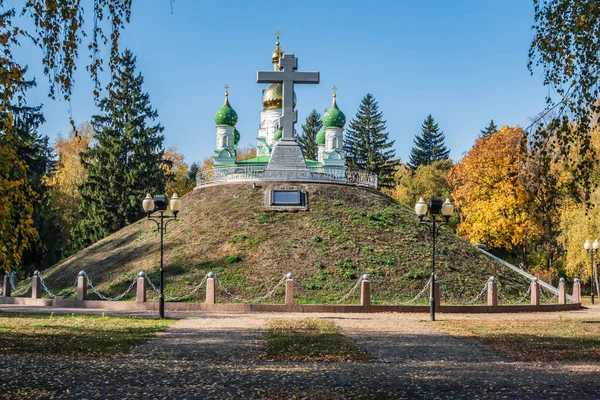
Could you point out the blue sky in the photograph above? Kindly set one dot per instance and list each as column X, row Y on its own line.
column 463, row 61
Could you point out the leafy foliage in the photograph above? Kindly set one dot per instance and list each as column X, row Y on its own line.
column 59, row 29
column 367, row 144
column 308, row 139
column 123, row 164
column 566, row 45
column 426, row 181
column 429, row 147
column 176, row 173
column 490, row 191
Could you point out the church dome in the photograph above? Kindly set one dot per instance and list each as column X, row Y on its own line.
column 278, row 135
column 236, row 136
column 273, row 96
column 226, row 115
column 334, row 118
column 321, row 137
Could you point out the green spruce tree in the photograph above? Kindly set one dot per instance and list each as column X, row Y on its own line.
column 367, row 144
column 429, row 146
column 123, row 164
column 489, row 130
column 308, row 139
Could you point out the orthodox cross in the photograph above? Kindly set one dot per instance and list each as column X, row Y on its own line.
column 287, row 75
column 334, row 90
column 226, row 89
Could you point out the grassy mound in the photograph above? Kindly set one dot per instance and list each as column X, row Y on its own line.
column 347, row 232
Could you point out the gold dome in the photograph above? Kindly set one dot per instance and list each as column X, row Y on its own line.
column 273, row 96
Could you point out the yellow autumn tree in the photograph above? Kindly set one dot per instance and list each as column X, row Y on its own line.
column 579, row 223
column 427, row 181
column 69, row 174
column 176, row 171
column 488, row 187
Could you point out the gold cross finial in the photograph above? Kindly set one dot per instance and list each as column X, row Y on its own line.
column 334, row 91
column 226, row 90
column 277, row 33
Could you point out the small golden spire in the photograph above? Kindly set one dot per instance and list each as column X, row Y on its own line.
column 226, row 90
column 278, row 52
column 334, row 91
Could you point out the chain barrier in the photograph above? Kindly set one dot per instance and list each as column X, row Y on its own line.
column 58, row 297
column 175, row 298
column 418, row 296
column 545, row 299
column 119, row 297
column 14, row 287
column 263, row 298
column 347, row 295
column 451, row 299
column 522, row 299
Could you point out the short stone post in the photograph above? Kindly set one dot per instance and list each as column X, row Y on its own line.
column 492, row 292
column 289, row 290
column 210, row 288
column 82, row 284
column 562, row 291
column 6, row 289
column 140, row 290
column 365, row 291
column 437, row 294
column 535, row 292
column 36, row 285
column 577, row 291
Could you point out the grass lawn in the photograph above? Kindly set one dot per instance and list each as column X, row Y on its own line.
column 310, row 340
column 80, row 335
column 563, row 339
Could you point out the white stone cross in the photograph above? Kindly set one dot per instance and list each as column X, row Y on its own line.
column 287, row 75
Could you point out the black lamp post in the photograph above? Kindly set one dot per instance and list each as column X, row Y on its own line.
column 436, row 207
column 592, row 249
column 151, row 205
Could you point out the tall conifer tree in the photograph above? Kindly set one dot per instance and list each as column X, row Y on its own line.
column 123, row 164
column 429, row 146
column 308, row 139
column 367, row 144
column 489, row 130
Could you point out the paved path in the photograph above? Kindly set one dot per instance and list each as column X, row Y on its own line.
column 217, row 356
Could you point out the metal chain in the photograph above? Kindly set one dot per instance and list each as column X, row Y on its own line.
column 14, row 287
column 263, row 298
column 356, row 285
column 427, row 285
column 69, row 290
column 545, row 299
column 466, row 303
column 119, row 297
column 518, row 301
column 172, row 298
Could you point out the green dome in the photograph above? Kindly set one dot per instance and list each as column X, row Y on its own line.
column 278, row 135
column 226, row 115
column 236, row 136
column 321, row 137
column 334, row 118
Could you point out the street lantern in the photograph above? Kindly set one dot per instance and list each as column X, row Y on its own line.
column 435, row 208
column 159, row 204
column 592, row 249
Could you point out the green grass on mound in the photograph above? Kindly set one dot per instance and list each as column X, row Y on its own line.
column 348, row 231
